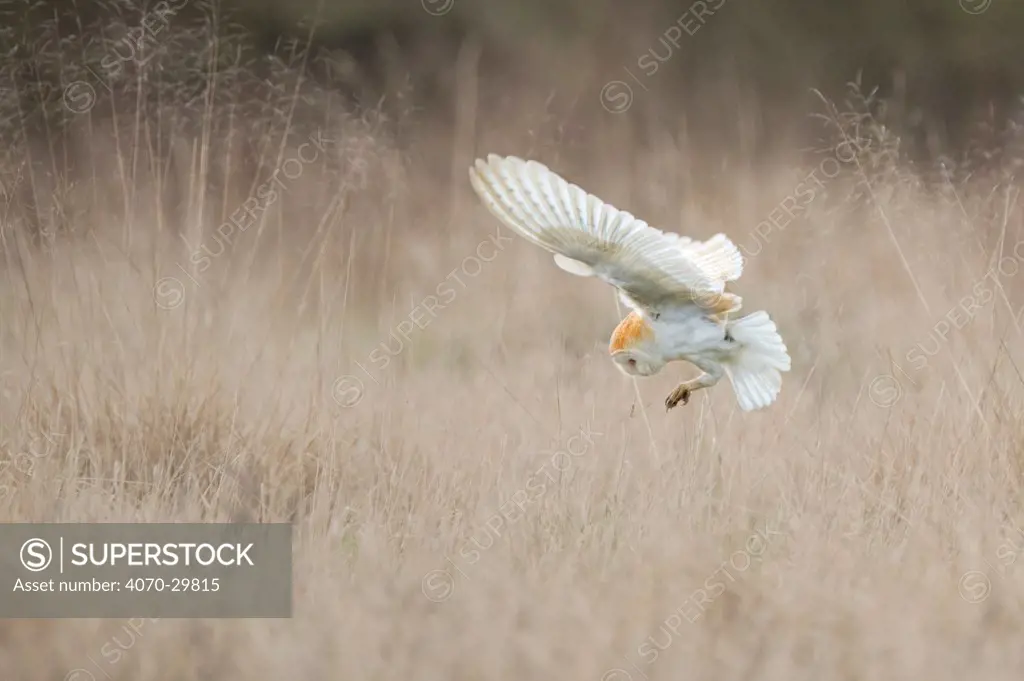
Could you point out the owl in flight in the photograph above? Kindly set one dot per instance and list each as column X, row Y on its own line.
column 674, row 285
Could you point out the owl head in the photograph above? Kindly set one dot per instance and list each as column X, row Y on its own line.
column 632, row 347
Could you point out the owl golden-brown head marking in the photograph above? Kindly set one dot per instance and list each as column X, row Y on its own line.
column 631, row 331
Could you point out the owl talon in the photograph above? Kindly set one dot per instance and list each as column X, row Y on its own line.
column 678, row 395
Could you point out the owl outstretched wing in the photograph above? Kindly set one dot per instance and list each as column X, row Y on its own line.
column 589, row 237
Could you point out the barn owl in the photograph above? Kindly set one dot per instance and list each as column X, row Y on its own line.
column 674, row 285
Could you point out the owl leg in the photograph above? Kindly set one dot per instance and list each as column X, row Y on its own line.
column 713, row 373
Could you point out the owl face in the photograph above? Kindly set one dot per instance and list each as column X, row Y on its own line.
column 636, row 362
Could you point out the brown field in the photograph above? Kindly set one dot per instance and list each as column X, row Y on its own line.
column 476, row 492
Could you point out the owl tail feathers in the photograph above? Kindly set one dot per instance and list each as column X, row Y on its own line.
column 755, row 368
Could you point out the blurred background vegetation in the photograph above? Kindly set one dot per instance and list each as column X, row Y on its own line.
column 945, row 67
column 949, row 73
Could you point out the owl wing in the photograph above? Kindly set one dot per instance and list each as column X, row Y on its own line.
column 589, row 237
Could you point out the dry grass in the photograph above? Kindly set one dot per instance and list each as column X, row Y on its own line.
column 442, row 532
